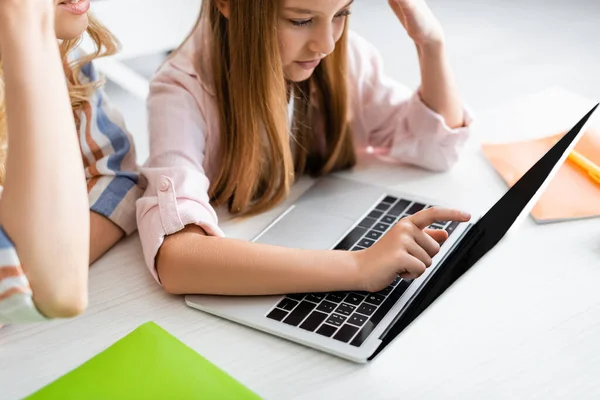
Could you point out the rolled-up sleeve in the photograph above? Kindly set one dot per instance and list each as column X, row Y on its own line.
column 109, row 159
column 177, row 186
column 392, row 121
column 16, row 298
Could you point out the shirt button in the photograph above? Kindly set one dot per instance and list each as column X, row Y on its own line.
column 164, row 185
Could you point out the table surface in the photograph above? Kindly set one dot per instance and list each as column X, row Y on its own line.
column 524, row 322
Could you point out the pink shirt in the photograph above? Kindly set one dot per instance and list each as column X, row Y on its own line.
column 184, row 137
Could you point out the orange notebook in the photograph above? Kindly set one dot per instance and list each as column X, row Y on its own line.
column 571, row 194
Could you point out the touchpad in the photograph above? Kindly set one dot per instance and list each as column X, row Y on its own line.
column 304, row 229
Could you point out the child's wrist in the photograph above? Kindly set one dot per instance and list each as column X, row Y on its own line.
column 18, row 25
column 354, row 273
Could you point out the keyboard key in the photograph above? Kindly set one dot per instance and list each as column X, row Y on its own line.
column 374, row 235
column 354, row 298
column 327, row 306
column 366, row 309
column 345, row 309
column 399, row 208
column 382, row 206
column 313, row 321
column 299, row 313
column 357, row 248
column 396, row 281
column 380, row 313
column 346, row 333
column 315, row 297
column 357, row 319
column 367, row 223
column 375, row 214
column 451, row 228
column 336, row 320
column 336, row 297
column 296, row 296
column 440, row 224
column 389, row 199
column 326, row 330
column 366, row 243
column 385, row 291
column 375, row 299
column 388, row 219
column 287, row 304
column 351, row 239
column 381, row 227
column 415, row 208
column 277, row 314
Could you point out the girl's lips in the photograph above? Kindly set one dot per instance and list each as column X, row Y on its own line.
column 80, row 7
column 308, row 64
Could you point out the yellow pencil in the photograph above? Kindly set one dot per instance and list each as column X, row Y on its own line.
column 588, row 166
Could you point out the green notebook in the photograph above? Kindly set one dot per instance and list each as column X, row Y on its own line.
column 147, row 364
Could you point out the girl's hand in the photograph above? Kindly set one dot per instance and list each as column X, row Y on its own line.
column 418, row 20
column 406, row 250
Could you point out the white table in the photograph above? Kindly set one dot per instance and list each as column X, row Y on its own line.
column 525, row 326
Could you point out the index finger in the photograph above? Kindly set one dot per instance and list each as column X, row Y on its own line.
column 424, row 218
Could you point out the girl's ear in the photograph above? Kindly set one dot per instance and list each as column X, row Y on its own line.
column 223, row 6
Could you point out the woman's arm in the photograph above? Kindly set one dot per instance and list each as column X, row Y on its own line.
column 191, row 262
column 438, row 90
column 44, row 207
column 112, row 172
column 104, row 234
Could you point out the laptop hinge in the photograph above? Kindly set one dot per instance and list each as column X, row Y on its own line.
column 469, row 238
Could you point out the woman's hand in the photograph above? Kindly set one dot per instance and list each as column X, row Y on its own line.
column 418, row 20
column 406, row 250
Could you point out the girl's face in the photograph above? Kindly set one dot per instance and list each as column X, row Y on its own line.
column 71, row 19
column 308, row 32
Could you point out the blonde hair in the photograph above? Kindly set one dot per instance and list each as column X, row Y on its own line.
column 105, row 44
column 257, row 167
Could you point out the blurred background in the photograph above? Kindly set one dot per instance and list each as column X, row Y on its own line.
column 499, row 49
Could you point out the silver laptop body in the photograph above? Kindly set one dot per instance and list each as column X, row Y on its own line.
column 320, row 219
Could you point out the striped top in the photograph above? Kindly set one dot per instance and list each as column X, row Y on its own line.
column 112, row 175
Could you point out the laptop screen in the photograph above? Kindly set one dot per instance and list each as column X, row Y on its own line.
column 489, row 230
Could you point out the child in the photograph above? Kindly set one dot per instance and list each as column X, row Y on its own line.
column 57, row 130
column 221, row 133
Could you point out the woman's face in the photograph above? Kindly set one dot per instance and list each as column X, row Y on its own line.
column 71, row 18
column 308, row 32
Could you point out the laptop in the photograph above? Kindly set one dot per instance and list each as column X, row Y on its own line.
column 341, row 214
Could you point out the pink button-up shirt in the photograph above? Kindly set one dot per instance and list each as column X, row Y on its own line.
column 184, row 137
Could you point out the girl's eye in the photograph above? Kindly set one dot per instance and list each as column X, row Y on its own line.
column 343, row 14
column 302, row 22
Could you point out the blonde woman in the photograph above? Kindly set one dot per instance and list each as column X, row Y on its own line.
column 67, row 164
column 266, row 90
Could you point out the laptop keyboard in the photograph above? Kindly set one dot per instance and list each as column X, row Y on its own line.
column 351, row 317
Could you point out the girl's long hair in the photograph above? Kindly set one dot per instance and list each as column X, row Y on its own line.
column 79, row 92
column 257, row 165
